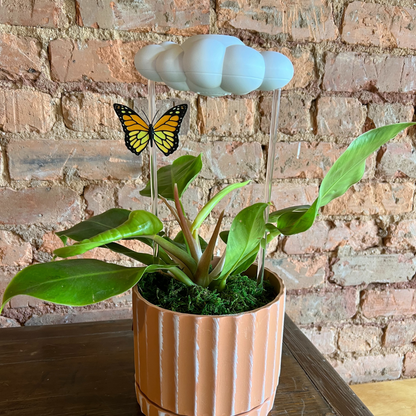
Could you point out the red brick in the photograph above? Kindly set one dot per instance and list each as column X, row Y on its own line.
column 77, row 316
column 8, row 322
column 225, row 117
column 340, row 116
column 369, row 368
column 129, row 198
column 400, row 333
column 303, row 273
column 304, row 66
column 323, row 339
column 311, row 160
column 222, row 160
column 26, row 111
column 370, row 198
column 23, row 301
column 98, row 60
column 322, row 306
column 383, row 114
column 21, row 58
column 294, row 116
column 397, row 160
column 310, row 241
column 314, row 161
column 39, row 205
column 410, row 364
column 14, row 252
column 92, row 159
column 402, row 236
column 301, row 21
column 283, row 195
column 352, row 72
column 6, row 275
column 177, row 17
column 379, row 25
column 99, row 198
column 50, row 242
column 357, row 270
column 390, row 302
column 2, row 166
column 90, row 112
column 359, row 338
column 43, row 13
column 321, row 237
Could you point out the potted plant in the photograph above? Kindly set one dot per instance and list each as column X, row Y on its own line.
column 206, row 362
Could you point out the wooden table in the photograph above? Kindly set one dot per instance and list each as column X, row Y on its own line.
column 87, row 369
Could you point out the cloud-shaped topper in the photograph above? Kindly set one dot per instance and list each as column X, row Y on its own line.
column 214, row 65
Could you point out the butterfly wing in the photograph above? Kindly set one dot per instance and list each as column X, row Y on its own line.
column 166, row 130
column 136, row 130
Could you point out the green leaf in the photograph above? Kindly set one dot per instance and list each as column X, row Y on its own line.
column 349, row 168
column 75, row 282
column 95, row 225
column 209, row 206
column 141, row 257
column 245, row 235
column 224, row 236
column 274, row 216
column 345, row 172
column 182, row 172
column 245, row 263
column 139, row 223
column 297, row 222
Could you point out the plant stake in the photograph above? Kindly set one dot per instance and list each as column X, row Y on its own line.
column 269, row 176
column 153, row 161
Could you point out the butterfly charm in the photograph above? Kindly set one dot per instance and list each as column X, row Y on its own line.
column 164, row 133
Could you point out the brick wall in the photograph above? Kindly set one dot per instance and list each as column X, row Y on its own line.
column 350, row 278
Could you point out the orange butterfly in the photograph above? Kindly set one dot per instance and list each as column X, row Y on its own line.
column 138, row 133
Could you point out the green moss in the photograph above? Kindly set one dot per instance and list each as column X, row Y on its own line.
column 240, row 295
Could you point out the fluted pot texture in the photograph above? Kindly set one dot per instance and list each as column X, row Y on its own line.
column 208, row 365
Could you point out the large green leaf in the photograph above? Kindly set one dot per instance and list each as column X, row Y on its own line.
column 141, row 257
column 349, row 167
column 209, row 206
column 245, row 235
column 95, row 225
column 182, row 172
column 345, row 172
column 75, row 282
column 275, row 215
column 139, row 223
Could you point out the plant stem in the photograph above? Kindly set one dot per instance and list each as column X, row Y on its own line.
column 181, row 276
column 181, row 255
column 202, row 272
column 269, row 176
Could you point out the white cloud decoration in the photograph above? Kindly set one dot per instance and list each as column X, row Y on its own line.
column 214, row 65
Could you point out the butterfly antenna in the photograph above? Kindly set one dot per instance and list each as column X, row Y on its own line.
column 145, row 115
column 154, row 117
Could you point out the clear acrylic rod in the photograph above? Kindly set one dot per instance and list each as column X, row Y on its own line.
column 153, row 161
column 269, row 175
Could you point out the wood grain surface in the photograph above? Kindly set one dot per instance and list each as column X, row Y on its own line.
column 87, row 370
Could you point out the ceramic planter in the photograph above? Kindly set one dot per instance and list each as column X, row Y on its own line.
column 197, row 365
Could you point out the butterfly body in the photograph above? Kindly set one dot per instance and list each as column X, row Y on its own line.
column 164, row 133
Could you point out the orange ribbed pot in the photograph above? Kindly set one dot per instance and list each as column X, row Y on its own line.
column 208, row 365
